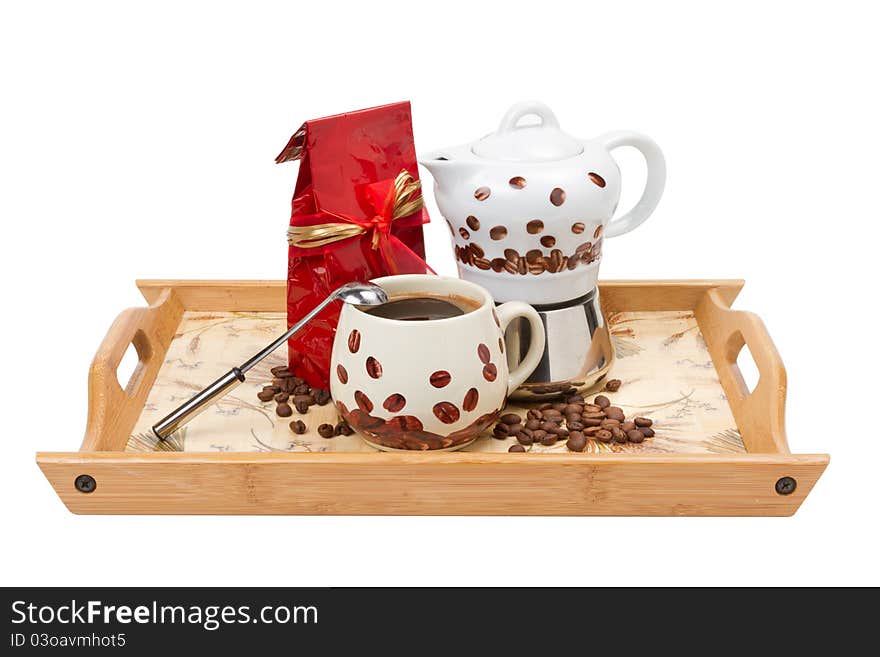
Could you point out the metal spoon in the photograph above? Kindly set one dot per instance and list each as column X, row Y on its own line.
column 358, row 294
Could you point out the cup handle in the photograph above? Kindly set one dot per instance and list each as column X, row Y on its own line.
column 654, row 184
column 509, row 311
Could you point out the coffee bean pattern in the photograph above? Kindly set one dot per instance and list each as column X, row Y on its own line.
column 464, row 234
column 394, row 402
column 596, row 178
column 482, row 193
column 490, row 372
column 535, row 261
column 473, row 223
column 498, row 233
column 557, row 196
column 440, row 379
column 374, row 368
column 342, row 374
column 354, row 341
column 534, row 227
column 446, row 412
column 483, row 353
column 517, row 182
column 363, row 401
column 577, row 228
column 471, row 398
column 501, row 345
column 598, row 231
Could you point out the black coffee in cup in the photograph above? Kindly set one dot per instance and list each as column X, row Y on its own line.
column 421, row 309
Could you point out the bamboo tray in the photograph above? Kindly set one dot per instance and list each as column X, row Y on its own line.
column 719, row 449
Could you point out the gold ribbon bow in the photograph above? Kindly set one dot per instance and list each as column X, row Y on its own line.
column 403, row 199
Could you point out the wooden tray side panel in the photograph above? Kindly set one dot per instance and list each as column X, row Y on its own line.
column 759, row 414
column 113, row 411
column 394, row 484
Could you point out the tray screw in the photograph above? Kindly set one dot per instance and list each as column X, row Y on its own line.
column 786, row 485
column 87, row 484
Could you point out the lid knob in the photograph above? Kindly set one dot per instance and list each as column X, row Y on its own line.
column 541, row 142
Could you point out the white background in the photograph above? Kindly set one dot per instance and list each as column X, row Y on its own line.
column 137, row 141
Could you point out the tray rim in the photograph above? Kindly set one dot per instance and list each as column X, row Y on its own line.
column 760, row 414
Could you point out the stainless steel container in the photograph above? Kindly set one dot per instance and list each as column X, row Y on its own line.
column 578, row 352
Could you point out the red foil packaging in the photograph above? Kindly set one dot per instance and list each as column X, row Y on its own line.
column 341, row 226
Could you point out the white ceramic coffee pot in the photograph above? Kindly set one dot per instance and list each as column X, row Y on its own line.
column 529, row 205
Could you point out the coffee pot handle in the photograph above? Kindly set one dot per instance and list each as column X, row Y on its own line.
column 509, row 311
column 653, row 185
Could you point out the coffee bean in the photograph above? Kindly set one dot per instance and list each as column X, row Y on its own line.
column 326, row 430
column 627, row 426
column 577, row 442
column 613, row 385
column 549, row 439
column 483, row 353
column 548, row 241
column 490, row 372
column 572, row 417
column 446, row 412
column 534, row 227
column 440, row 378
column 298, row 427
column 516, row 448
column 615, row 413
column 404, row 423
column 321, row 396
column 618, row 434
column 596, row 234
column 482, row 193
column 511, row 255
column 509, row 267
column 607, row 424
column 603, row 435
column 635, row 436
column 363, row 401
column 575, row 426
column 302, row 407
column 533, row 255
column 501, row 431
column 464, row 233
column 573, row 408
column 523, row 438
column 537, row 268
column 472, row 222
column 602, row 401
column 394, row 402
column 591, row 421
column 497, row 264
column 533, row 424
column 283, row 410
column 577, row 228
column 511, row 418
column 549, row 427
column 471, row 398
column 539, row 435
column 643, row 422
column 534, row 414
column 344, row 428
column 281, row 397
column 265, row 395
column 482, row 263
column 497, row 233
column 522, row 267
column 557, row 196
column 586, row 247
column 354, row 341
column 477, row 251
column 302, row 389
column 589, row 415
column 342, row 374
column 596, row 178
column 555, row 263
column 571, row 263
column 592, row 431
column 647, row 432
column 517, row 182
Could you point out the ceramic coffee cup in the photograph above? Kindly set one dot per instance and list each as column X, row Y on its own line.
column 435, row 383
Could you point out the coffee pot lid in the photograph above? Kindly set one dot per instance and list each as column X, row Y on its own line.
column 541, row 142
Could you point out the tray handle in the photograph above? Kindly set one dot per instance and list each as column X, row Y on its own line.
column 760, row 413
column 113, row 410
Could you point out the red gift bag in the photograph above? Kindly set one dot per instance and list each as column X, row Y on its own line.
column 357, row 215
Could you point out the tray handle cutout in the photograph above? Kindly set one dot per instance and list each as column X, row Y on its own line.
column 113, row 410
column 732, row 334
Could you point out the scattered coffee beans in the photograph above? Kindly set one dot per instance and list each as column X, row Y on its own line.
column 613, row 385
column 298, row 427
column 283, row 410
column 516, row 448
column 326, row 430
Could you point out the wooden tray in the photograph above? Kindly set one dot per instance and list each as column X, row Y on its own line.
column 719, row 449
